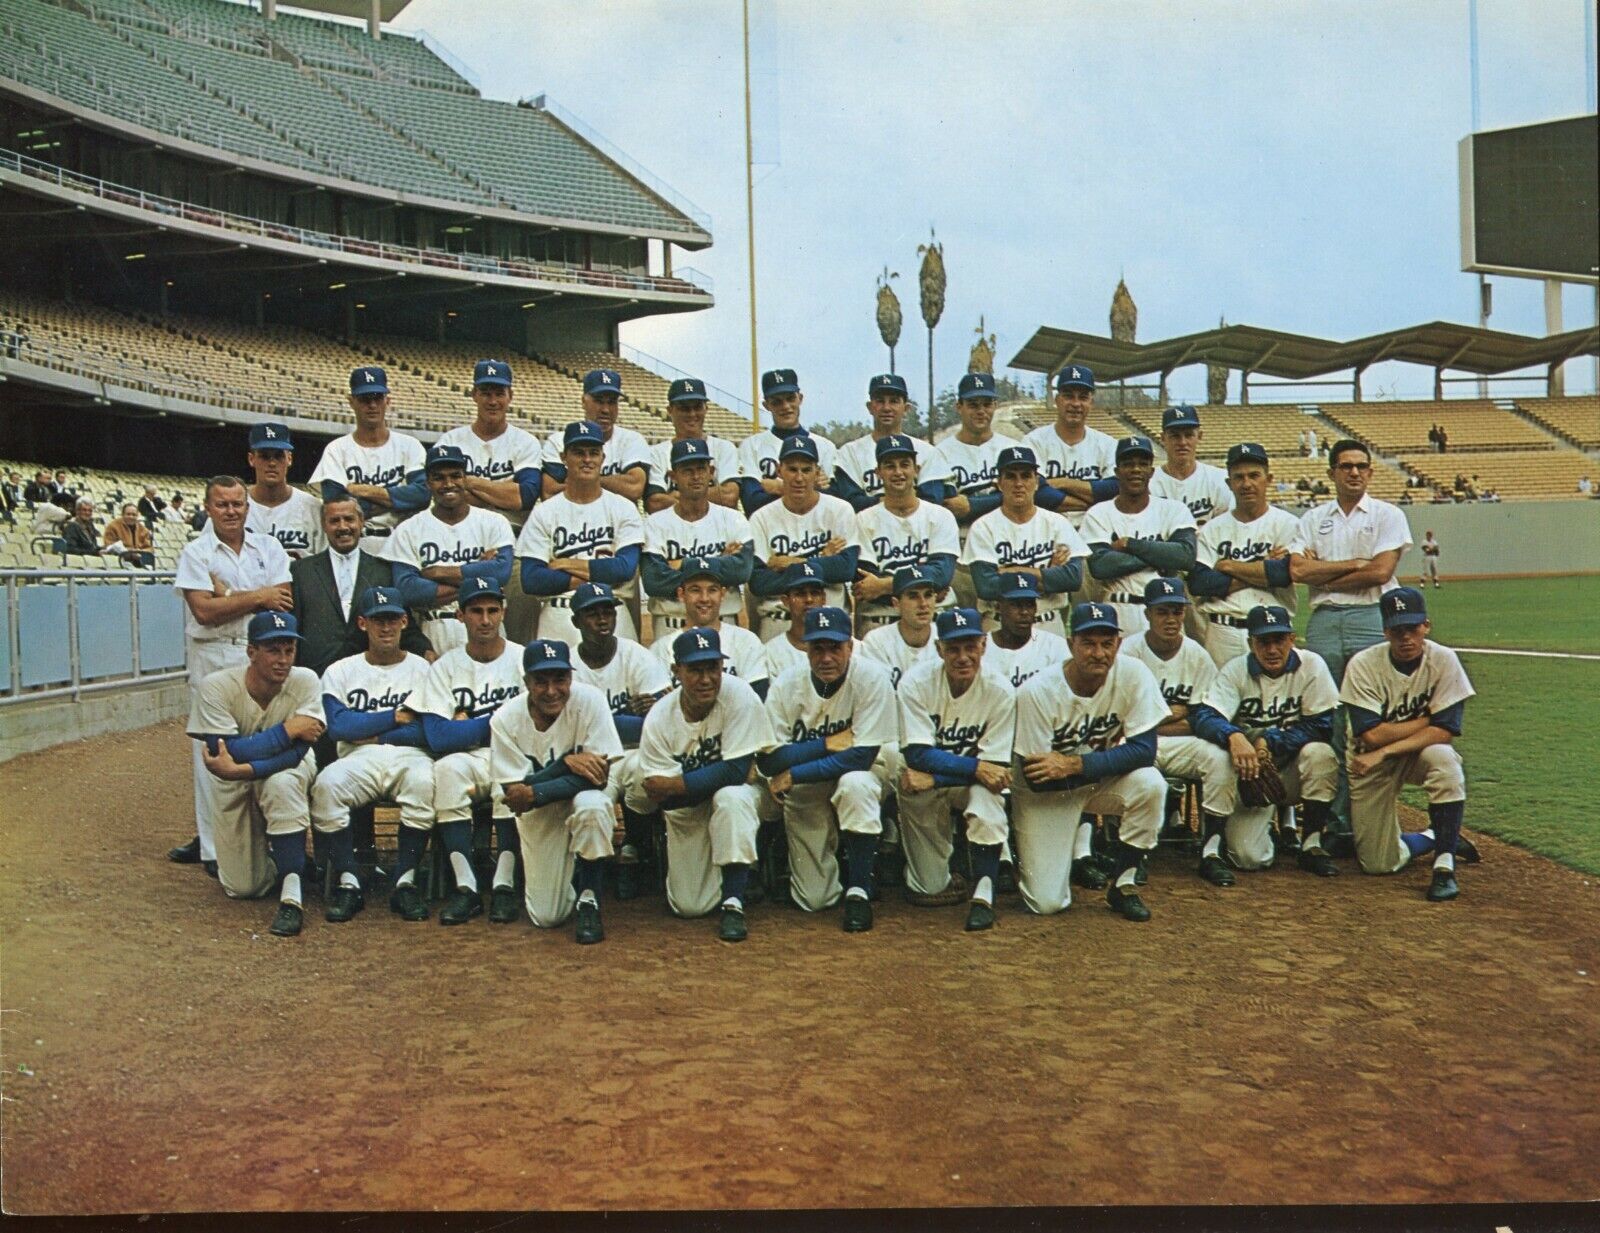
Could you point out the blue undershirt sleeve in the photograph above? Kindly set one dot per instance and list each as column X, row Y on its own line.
column 539, row 579
column 1133, row 753
column 1450, row 718
column 615, row 570
column 499, row 569
column 856, row 758
column 447, row 736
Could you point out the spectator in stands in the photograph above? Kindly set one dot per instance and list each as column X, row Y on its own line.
column 151, row 507
column 39, row 491
column 1303, row 484
column 1433, row 436
column 129, row 538
column 1440, row 496
column 11, row 497
column 1444, row 439
column 79, row 535
column 1405, row 497
column 175, row 511
column 1308, row 442
column 61, row 492
column 1585, row 486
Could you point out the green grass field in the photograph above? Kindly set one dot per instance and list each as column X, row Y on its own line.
column 1530, row 732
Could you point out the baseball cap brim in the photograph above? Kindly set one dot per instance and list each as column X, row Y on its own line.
column 583, row 605
column 1095, row 623
column 371, row 387
column 977, row 396
column 1019, row 593
column 277, row 635
column 1271, row 627
column 699, row 657
column 825, row 635
column 495, row 380
column 384, row 610
column 783, row 387
column 1404, row 618
column 1175, row 601
column 687, row 396
column 960, row 632
column 282, row 447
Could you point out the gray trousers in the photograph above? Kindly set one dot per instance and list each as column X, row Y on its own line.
column 1336, row 632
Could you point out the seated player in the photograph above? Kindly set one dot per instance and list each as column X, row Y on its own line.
column 550, row 752
column 691, row 525
column 800, row 590
column 1018, row 649
column 701, row 595
column 956, row 722
column 1021, row 538
column 463, row 688
column 686, row 406
column 1406, row 698
column 804, row 526
column 695, row 758
column 836, row 717
column 1086, row 741
column 256, row 725
column 383, row 753
column 909, row 641
column 1275, row 705
column 899, row 531
column 1135, row 536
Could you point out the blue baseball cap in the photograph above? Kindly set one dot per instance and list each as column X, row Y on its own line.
column 1164, row 591
column 1135, row 444
column 602, row 381
column 1075, row 376
column 1247, row 451
column 1016, row 456
column 696, row 567
column 976, row 385
column 380, row 601
column 1268, row 619
column 583, row 432
column 779, row 381
column 800, row 445
column 1402, row 606
column 911, row 576
column 802, row 575
column 369, row 380
column 826, row 625
column 588, row 594
column 270, row 626
column 894, row 444
column 546, row 655
column 956, row 623
column 697, row 646
column 270, row 437
column 440, row 455
column 687, row 389
column 1019, row 586
column 888, row 382
column 479, row 588
column 694, row 449
column 1181, row 416
column 1086, row 617
column 491, row 372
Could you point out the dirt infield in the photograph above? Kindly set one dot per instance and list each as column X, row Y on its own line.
column 1289, row 1040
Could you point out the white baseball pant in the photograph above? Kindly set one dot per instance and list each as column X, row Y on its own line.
column 552, row 837
column 1312, row 776
column 813, row 816
column 399, row 773
column 1047, row 826
column 205, row 657
column 701, row 839
column 925, row 833
column 246, row 813
column 459, row 779
column 1373, row 817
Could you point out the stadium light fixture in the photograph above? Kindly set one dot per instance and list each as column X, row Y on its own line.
column 531, row 304
column 360, row 305
column 336, row 286
column 134, row 257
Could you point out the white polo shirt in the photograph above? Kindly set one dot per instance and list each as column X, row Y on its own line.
column 1371, row 527
column 205, row 560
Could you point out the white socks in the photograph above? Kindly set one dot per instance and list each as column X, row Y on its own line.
column 350, row 880
column 734, row 902
column 291, row 889
column 462, row 867
column 505, row 870
column 588, row 897
column 984, row 891
column 1213, row 847
column 1445, row 861
column 855, row 892
column 1082, row 840
column 408, row 878
column 1128, row 877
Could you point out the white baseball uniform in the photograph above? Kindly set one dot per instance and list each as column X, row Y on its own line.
column 858, row 459
column 758, row 455
column 457, row 682
column 1041, row 651
column 670, row 536
column 562, row 528
column 724, row 463
column 782, row 655
column 1204, row 492
column 499, row 458
column 1184, row 680
column 373, row 772
column 425, row 539
column 777, row 531
column 891, row 542
column 296, row 524
column 747, row 658
column 345, row 461
column 998, row 541
column 1094, row 457
column 887, row 645
column 971, row 469
column 1226, row 538
column 623, row 450
column 633, row 672
column 1104, row 522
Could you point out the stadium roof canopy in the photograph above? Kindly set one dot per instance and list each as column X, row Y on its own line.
column 388, row 10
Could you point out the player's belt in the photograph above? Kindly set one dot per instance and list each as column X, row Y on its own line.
column 558, row 601
column 370, row 531
column 1232, row 622
column 438, row 614
column 1125, row 599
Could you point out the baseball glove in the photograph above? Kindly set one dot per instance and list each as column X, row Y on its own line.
column 1265, row 789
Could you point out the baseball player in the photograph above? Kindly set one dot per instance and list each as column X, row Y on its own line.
column 1242, row 556
column 971, row 455
column 1018, row 649
column 255, row 726
column 382, row 469
column 1184, row 672
column 1406, row 700
column 834, row 717
column 625, row 468
column 1075, row 460
column 686, row 404
column 702, row 595
column 956, row 724
column 1430, row 561
column 435, row 551
column 758, row 453
column 695, row 758
column 1020, row 538
column 503, row 464
column 224, row 574
column 550, row 753
column 1200, row 486
column 462, row 689
column 584, row 533
column 900, row 530
column 1136, row 537
column 1274, row 704
column 802, row 590
column 802, row 527
column 689, row 525
column 292, row 516
column 382, row 749
column 909, row 641
column 1086, row 741
column 855, row 476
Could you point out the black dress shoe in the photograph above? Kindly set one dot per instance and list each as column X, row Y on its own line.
column 1127, row 904
column 344, row 903
column 186, row 853
column 1339, row 843
column 1467, row 851
column 210, row 867
column 287, row 923
column 461, row 907
column 590, row 929
column 857, row 914
column 732, row 927
column 503, row 905
column 1319, row 863
column 1443, row 886
column 980, row 915
column 1215, row 872
column 406, row 902
column 1086, row 873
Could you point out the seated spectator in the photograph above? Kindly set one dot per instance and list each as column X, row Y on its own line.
column 1585, row 486
column 39, row 492
column 1405, row 497
column 197, row 520
column 1304, row 484
column 1321, row 489
column 175, row 511
column 61, row 492
column 151, row 507
column 79, row 535
column 130, row 539
column 11, row 497
column 1440, row 496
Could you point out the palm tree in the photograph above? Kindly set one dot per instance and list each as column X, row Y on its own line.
column 889, row 317
column 933, row 284
column 1124, row 327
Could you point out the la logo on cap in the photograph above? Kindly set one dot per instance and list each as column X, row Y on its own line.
column 808, row 571
column 1074, row 372
column 488, row 369
column 960, row 620
column 1400, row 604
column 277, row 621
column 381, row 597
column 605, row 378
column 796, row 443
column 366, row 376
column 482, row 583
column 700, row 640
column 268, row 431
column 1167, row 587
column 1095, row 612
column 822, row 620
column 549, row 651
column 916, row 571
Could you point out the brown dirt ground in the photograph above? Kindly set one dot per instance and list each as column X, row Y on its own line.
column 1288, row 1041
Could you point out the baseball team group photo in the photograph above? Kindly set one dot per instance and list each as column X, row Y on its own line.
column 456, row 760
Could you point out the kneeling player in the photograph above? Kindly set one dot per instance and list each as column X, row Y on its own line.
column 550, row 754
column 1406, row 697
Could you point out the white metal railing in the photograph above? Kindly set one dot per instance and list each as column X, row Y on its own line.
column 671, row 373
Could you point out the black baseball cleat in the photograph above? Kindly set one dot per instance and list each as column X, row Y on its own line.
column 1339, row 843
column 1443, row 887
column 344, row 903
column 732, row 927
column 1319, row 863
column 503, row 905
column 1127, row 904
column 857, row 914
column 287, row 923
column 462, row 905
column 980, row 915
column 186, row 853
column 1215, row 872
column 1086, row 873
column 589, row 930
column 407, row 903
column 1467, row 851
column 210, row 867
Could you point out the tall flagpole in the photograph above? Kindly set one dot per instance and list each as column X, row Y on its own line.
column 750, row 230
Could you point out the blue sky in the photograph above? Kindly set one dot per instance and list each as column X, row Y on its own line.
column 1287, row 165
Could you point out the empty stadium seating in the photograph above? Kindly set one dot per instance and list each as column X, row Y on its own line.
column 1401, row 427
column 644, row 389
column 1576, row 419
column 1550, row 474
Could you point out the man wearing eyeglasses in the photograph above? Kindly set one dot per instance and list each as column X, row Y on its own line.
column 1346, row 552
